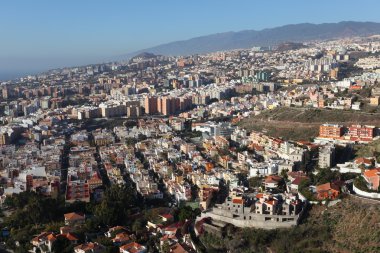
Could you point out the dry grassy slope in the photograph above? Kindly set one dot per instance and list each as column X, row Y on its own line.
column 354, row 225
column 319, row 115
column 372, row 149
column 302, row 124
column 349, row 226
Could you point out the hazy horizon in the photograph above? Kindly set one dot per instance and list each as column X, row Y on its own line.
column 42, row 35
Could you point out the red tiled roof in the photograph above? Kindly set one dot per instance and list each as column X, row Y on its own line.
column 73, row 216
column 259, row 195
column 298, row 180
column 88, row 246
column 51, row 237
column 363, row 160
column 372, row 173
column 271, row 202
column 167, row 216
column 237, row 201
column 323, row 187
column 326, row 187
column 70, row 237
column 295, row 174
column 273, row 179
column 43, row 235
column 132, row 247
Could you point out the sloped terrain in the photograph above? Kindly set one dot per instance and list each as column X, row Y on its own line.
column 266, row 37
column 303, row 124
column 349, row 226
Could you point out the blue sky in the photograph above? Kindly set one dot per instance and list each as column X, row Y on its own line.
column 43, row 34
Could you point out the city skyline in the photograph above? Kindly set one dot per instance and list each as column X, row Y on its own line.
column 42, row 35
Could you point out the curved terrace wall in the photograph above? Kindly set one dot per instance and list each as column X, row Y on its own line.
column 372, row 195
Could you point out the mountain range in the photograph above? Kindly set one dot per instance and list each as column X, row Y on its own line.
column 267, row 37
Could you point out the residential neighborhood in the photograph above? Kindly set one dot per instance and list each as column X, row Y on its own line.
column 254, row 149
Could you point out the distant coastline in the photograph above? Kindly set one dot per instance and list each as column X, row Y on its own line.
column 7, row 76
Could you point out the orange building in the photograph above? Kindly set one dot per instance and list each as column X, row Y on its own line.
column 330, row 131
column 150, row 105
column 209, row 166
column 168, row 105
column 375, row 100
column 321, row 103
column 327, row 191
column 361, row 133
column 373, row 178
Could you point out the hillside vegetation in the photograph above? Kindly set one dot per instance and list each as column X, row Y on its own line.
column 349, row 226
column 303, row 124
column 369, row 150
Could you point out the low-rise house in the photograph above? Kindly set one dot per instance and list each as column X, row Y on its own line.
column 272, row 181
column 294, row 174
column 295, row 183
column 43, row 241
column 132, row 247
column 74, row 219
column 115, row 230
column 372, row 177
column 167, row 217
column 327, row 191
column 172, row 229
column 121, row 238
column 364, row 161
column 90, row 247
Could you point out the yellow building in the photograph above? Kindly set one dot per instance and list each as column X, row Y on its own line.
column 374, row 101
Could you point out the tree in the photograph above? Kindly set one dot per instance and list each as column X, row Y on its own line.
column 62, row 245
column 138, row 225
column 303, row 188
column 185, row 213
column 151, row 244
column 255, row 181
column 112, row 249
column 325, row 176
column 165, row 248
column 222, row 193
column 116, row 205
column 284, row 174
